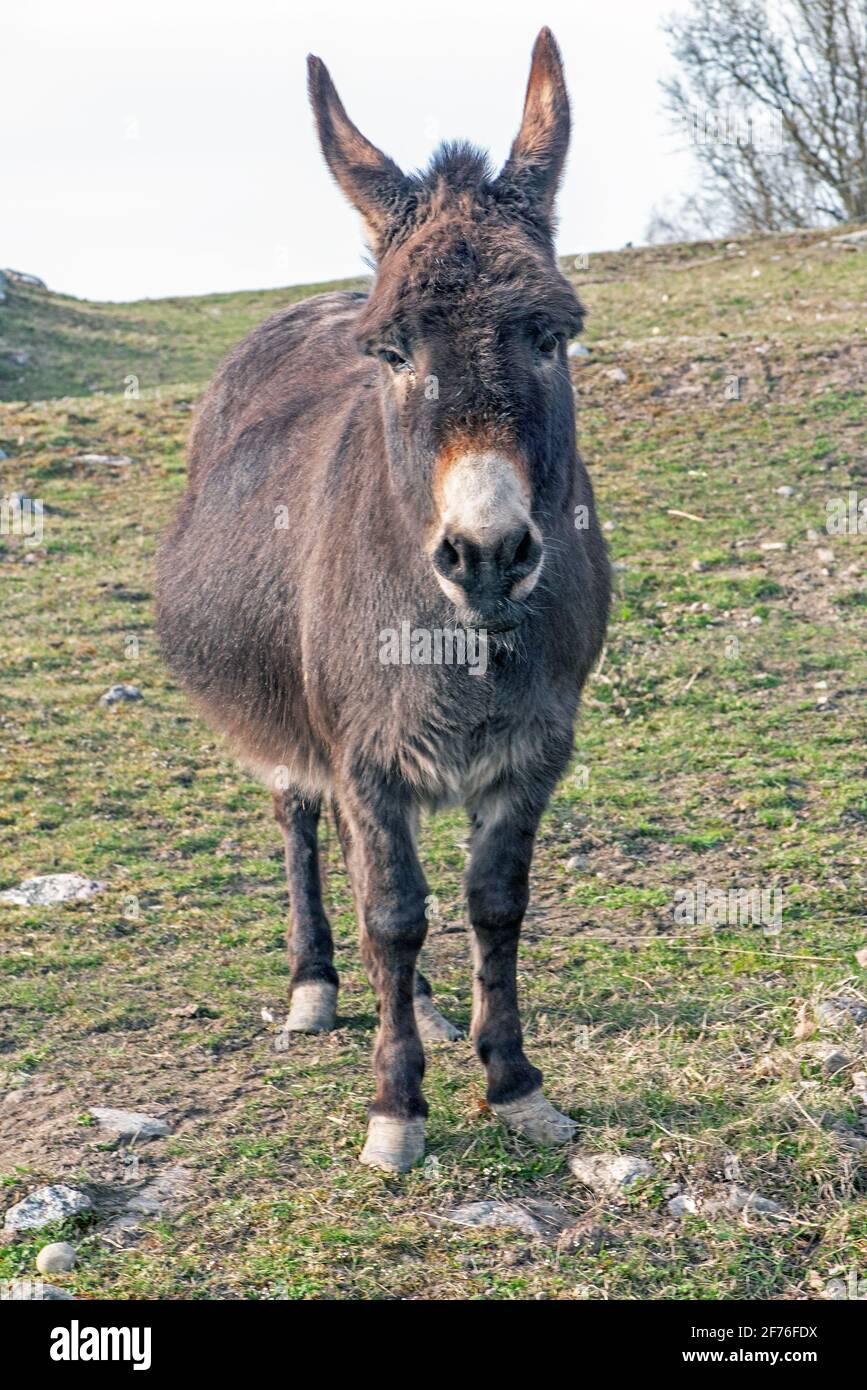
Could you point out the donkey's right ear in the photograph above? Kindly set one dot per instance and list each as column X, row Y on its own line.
column 372, row 182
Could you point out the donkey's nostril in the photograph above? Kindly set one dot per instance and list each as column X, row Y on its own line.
column 447, row 557
column 523, row 548
column 521, row 552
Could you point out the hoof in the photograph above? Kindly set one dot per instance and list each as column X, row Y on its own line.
column 393, row 1145
column 313, row 1009
column 432, row 1027
column 535, row 1118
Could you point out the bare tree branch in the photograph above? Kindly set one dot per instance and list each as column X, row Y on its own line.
column 789, row 77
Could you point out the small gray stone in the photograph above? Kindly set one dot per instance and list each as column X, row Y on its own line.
column 578, row 350
column 45, row 889
column 841, row 1009
column 786, row 491
column 682, row 1206
column 58, row 1258
column 45, row 1207
column 610, row 1174
column 744, row 1199
column 833, row 1060
column 116, row 693
column 532, row 1218
column 617, row 375
column 31, row 1291
column 129, row 1124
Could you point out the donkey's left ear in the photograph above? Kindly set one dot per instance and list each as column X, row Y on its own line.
column 536, row 160
column 370, row 180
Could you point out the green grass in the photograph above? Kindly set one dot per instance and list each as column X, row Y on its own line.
column 721, row 740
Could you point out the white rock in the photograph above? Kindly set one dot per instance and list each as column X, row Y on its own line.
column 58, row 1258
column 617, row 375
column 609, row 1174
column 110, row 460
column 786, row 490
column 45, row 889
column 45, row 1207
column 128, row 1124
column 578, row 350
column 116, row 693
column 681, row 1206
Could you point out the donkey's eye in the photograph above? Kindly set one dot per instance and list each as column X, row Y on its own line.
column 394, row 360
column 547, row 344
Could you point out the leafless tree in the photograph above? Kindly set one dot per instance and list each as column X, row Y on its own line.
column 772, row 95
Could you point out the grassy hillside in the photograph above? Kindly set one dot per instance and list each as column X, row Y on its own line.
column 74, row 348
column 722, row 741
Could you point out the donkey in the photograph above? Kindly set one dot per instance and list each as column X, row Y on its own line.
column 408, row 455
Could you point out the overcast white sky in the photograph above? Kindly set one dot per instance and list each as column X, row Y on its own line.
column 168, row 148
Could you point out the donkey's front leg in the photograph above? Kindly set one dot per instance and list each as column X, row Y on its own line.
column 497, row 894
column 390, row 894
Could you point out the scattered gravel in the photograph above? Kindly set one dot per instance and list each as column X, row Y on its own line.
column 841, row 1009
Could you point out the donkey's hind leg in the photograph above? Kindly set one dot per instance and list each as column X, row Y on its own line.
column 431, row 1024
column 313, row 1007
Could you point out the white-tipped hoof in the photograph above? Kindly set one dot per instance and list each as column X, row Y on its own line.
column 313, row 1009
column 393, row 1145
column 535, row 1118
column 432, row 1027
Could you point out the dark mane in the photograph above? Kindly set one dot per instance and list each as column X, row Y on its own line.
column 459, row 165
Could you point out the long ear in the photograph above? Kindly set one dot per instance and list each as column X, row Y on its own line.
column 372, row 182
column 537, row 157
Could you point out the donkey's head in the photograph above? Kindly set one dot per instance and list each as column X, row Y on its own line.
column 469, row 316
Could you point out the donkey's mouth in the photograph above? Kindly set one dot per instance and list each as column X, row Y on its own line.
column 507, row 618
